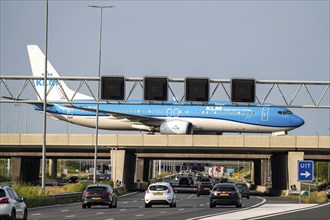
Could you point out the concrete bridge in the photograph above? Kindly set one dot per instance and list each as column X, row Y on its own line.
column 134, row 153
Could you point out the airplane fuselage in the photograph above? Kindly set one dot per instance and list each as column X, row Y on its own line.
column 208, row 118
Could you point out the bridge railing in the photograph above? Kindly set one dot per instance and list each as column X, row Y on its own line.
column 282, row 93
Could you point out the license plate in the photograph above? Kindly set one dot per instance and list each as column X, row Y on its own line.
column 96, row 198
column 158, row 194
column 224, row 194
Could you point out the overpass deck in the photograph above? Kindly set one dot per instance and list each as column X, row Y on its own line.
column 164, row 143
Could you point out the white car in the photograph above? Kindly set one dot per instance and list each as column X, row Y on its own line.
column 11, row 205
column 160, row 193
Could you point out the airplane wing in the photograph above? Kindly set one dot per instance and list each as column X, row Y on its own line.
column 30, row 103
column 149, row 121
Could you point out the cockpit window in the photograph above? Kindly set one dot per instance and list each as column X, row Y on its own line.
column 285, row 112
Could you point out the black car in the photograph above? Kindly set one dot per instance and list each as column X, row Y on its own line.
column 223, row 180
column 99, row 194
column 225, row 194
column 73, row 179
column 204, row 188
column 185, row 181
column 244, row 189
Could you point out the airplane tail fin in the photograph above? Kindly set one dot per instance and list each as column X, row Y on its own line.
column 56, row 89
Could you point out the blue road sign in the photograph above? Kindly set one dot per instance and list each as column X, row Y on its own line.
column 305, row 170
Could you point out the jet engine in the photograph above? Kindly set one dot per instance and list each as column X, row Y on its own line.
column 176, row 127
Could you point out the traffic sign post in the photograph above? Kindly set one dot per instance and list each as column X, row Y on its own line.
column 305, row 173
column 305, row 170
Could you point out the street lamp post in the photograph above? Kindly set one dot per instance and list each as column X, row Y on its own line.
column 98, row 89
column 43, row 162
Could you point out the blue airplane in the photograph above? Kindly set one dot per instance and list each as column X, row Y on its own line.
column 167, row 118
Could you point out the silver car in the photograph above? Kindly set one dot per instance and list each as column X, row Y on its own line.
column 11, row 205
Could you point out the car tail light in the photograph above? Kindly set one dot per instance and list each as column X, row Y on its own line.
column 4, row 200
column 169, row 190
column 147, row 191
column 105, row 193
column 86, row 193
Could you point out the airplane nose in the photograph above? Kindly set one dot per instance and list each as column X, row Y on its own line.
column 297, row 121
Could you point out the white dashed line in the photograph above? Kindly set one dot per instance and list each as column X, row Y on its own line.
column 121, row 210
column 36, row 214
column 139, row 215
column 181, row 209
column 100, row 213
column 70, row 216
column 163, row 212
column 64, row 210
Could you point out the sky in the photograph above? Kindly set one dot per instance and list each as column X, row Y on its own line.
column 265, row 40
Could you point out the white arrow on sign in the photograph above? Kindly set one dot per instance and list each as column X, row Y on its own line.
column 306, row 174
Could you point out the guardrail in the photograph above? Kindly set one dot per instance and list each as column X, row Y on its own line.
column 75, row 194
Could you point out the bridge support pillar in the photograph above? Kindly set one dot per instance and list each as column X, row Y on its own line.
column 139, row 170
column 252, row 171
column 123, row 166
column 142, row 172
column 257, row 172
column 52, row 168
column 284, row 170
column 25, row 169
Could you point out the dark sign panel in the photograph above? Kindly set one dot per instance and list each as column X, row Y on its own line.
column 197, row 89
column 112, row 88
column 243, row 90
column 155, row 88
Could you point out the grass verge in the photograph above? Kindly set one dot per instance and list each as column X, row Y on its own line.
column 315, row 197
column 34, row 196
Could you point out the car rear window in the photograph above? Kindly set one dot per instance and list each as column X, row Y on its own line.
column 158, row 188
column 96, row 189
column 2, row 193
column 224, row 188
column 241, row 186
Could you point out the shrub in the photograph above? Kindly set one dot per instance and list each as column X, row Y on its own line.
column 316, row 197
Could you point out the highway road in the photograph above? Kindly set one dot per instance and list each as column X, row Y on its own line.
column 189, row 206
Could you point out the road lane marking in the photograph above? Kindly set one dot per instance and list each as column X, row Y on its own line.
column 65, row 210
column 139, row 215
column 263, row 201
column 121, row 210
column 110, row 219
column 99, row 213
column 181, row 209
column 163, row 212
column 70, row 216
column 35, row 214
column 191, row 196
column 262, row 211
column 292, row 211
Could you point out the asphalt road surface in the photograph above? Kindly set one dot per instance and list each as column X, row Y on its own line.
column 189, row 206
